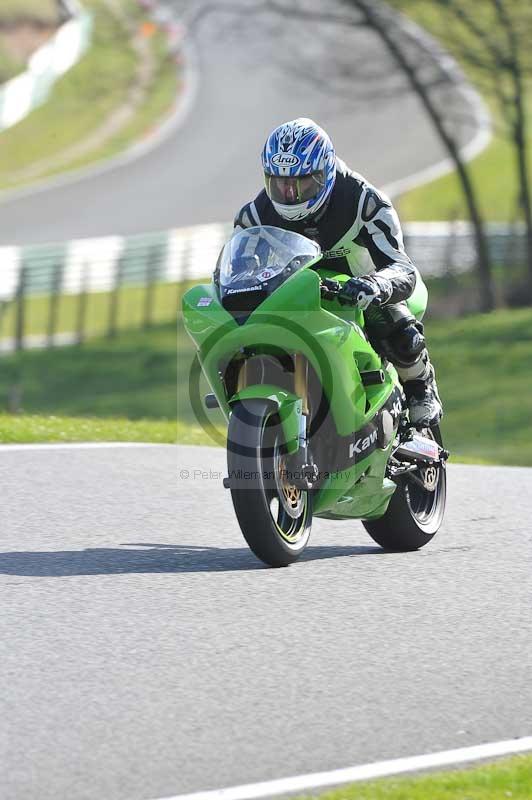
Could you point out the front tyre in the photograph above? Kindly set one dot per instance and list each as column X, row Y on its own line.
column 416, row 511
column 274, row 515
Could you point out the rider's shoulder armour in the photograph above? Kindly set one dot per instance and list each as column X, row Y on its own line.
column 358, row 229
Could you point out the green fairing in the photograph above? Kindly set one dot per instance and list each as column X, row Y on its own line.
column 295, row 319
column 417, row 302
column 289, row 406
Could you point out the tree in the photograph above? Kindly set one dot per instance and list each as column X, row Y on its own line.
column 407, row 55
column 492, row 38
column 424, row 76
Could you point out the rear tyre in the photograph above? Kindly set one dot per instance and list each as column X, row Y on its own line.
column 275, row 516
column 415, row 513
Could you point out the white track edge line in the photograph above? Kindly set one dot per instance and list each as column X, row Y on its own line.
column 362, row 772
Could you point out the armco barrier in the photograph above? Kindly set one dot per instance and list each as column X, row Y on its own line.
column 88, row 266
column 190, row 253
column 95, row 265
column 27, row 91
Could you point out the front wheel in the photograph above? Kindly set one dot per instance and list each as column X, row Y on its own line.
column 416, row 509
column 274, row 515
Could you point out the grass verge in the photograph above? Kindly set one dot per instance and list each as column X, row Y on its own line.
column 482, row 364
column 131, row 309
column 132, row 376
column 84, row 99
column 142, row 377
column 508, row 778
column 119, row 390
column 28, row 428
column 9, row 66
column 492, row 172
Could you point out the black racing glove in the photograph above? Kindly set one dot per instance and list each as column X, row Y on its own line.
column 363, row 291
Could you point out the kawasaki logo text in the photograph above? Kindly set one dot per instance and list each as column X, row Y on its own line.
column 361, row 445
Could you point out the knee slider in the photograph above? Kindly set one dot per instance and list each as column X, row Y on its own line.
column 407, row 344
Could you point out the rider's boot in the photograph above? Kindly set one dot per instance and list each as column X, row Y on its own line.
column 419, row 384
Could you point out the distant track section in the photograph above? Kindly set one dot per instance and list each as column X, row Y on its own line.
column 204, row 171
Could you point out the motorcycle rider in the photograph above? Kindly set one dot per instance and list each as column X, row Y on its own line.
column 309, row 190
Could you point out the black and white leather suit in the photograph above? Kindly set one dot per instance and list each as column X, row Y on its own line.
column 359, row 232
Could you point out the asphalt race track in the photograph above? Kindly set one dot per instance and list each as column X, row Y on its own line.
column 249, row 81
column 147, row 653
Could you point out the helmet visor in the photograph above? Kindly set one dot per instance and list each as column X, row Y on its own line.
column 289, row 190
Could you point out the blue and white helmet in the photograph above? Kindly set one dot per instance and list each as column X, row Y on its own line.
column 299, row 168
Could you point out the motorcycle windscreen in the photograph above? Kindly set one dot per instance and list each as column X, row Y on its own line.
column 256, row 255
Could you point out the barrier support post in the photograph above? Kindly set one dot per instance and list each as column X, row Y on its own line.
column 20, row 309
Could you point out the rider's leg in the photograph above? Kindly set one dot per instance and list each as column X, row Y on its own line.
column 395, row 332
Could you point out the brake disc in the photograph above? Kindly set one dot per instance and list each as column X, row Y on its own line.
column 429, row 476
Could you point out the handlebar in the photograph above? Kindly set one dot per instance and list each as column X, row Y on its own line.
column 330, row 290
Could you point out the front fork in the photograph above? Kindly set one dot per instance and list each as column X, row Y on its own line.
column 305, row 472
column 300, row 469
column 242, row 380
column 301, row 380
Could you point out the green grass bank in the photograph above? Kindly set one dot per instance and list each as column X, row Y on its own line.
column 131, row 376
column 484, row 373
column 97, row 307
column 508, row 779
column 142, row 377
column 32, row 428
column 123, row 389
column 9, row 66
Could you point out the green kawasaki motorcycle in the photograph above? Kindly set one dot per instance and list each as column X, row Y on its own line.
column 318, row 424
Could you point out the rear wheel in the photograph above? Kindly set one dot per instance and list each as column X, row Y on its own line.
column 416, row 509
column 274, row 515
